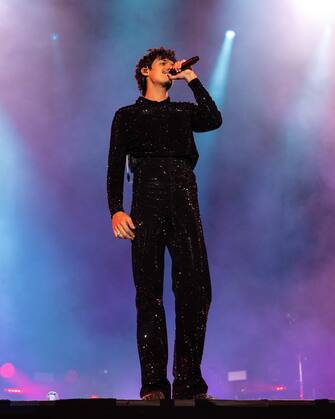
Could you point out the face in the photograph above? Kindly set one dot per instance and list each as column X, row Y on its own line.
column 159, row 70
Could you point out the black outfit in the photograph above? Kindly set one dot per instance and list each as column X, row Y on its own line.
column 159, row 140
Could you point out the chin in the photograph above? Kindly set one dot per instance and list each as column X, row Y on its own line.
column 167, row 84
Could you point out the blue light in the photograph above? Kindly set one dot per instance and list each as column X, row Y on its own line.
column 219, row 79
column 230, row 34
column 54, row 36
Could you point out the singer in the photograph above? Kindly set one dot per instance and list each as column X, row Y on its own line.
column 157, row 134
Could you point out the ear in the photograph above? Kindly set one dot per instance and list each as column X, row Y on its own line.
column 144, row 71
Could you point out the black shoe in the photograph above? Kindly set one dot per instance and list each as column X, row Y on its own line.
column 203, row 396
column 154, row 395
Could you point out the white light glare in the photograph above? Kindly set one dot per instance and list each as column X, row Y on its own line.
column 230, row 34
column 317, row 9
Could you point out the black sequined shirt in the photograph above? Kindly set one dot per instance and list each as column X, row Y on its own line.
column 159, row 129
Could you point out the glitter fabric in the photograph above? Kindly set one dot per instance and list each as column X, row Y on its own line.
column 165, row 211
column 150, row 128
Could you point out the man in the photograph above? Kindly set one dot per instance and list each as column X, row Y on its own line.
column 157, row 135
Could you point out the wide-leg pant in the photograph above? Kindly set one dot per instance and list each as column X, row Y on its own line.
column 165, row 212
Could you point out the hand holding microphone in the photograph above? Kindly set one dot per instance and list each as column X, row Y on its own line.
column 182, row 70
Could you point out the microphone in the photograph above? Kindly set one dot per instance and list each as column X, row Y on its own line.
column 186, row 64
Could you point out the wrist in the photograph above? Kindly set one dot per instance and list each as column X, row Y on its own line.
column 191, row 77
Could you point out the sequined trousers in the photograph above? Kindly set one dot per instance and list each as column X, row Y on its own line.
column 165, row 212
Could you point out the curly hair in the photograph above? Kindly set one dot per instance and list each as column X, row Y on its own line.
column 147, row 60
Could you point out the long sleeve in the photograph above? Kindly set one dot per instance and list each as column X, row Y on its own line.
column 116, row 164
column 205, row 116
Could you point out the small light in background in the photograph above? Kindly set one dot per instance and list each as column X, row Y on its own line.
column 13, row 390
column 230, row 34
column 54, row 36
column 7, row 370
column 52, row 395
column 240, row 375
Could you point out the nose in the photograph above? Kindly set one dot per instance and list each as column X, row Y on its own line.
column 167, row 69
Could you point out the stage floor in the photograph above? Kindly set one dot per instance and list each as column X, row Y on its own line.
column 114, row 408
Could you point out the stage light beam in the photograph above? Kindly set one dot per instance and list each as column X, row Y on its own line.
column 217, row 88
column 219, row 80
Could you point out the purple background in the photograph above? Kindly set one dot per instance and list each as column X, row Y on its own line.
column 67, row 299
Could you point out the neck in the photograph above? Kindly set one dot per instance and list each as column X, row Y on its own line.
column 157, row 93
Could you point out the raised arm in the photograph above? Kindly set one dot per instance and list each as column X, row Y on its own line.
column 116, row 165
column 205, row 114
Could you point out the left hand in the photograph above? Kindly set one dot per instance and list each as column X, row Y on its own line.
column 187, row 75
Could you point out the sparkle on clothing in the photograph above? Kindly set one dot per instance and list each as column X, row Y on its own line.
column 149, row 128
column 165, row 210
